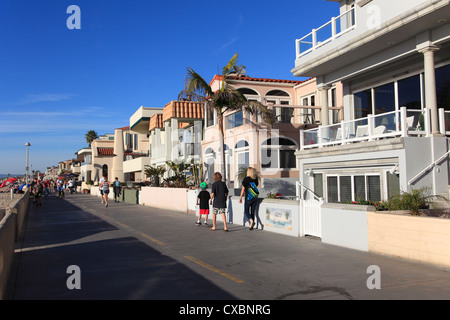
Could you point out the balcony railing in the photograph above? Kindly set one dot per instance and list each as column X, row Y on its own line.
column 297, row 114
column 328, row 32
column 399, row 123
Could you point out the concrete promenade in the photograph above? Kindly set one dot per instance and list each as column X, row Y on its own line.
column 132, row 252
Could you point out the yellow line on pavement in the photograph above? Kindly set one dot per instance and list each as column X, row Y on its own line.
column 153, row 239
column 214, row 269
column 129, row 228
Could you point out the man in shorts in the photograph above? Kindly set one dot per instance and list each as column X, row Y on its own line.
column 219, row 195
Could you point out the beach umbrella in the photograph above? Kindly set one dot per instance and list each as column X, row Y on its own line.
column 8, row 182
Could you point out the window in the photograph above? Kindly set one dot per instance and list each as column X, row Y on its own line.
column 443, row 87
column 346, row 188
column 384, row 98
column 242, row 155
column 318, row 184
column 393, row 184
column 209, row 165
column 234, row 120
column 332, row 189
column 409, row 93
column 278, row 153
column 210, row 116
column 279, row 97
column 362, row 103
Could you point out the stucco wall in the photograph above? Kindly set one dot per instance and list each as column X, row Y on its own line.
column 424, row 239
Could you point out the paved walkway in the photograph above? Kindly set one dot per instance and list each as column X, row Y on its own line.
column 132, row 252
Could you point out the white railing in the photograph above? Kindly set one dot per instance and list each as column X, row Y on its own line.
column 328, row 32
column 391, row 124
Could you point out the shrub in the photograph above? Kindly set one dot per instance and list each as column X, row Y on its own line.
column 413, row 201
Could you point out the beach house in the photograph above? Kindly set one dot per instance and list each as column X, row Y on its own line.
column 176, row 133
column 251, row 142
column 393, row 60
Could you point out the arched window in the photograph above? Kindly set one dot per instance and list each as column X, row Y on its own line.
column 105, row 170
column 242, row 155
column 278, row 153
column 280, row 97
column 208, row 165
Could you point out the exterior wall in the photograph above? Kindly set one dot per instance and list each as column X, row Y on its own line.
column 423, row 239
column 345, row 225
column 164, row 198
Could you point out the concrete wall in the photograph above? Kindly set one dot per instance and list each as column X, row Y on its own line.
column 10, row 230
column 345, row 225
column 7, row 239
column 165, row 198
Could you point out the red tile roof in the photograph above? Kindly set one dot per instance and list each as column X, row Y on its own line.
column 247, row 78
column 105, row 151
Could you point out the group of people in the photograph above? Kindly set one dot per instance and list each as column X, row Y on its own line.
column 104, row 187
column 43, row 188
column 218, row 199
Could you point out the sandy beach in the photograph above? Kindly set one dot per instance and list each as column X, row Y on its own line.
column 6, row 201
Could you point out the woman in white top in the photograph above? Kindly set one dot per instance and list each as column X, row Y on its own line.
column 105, row 188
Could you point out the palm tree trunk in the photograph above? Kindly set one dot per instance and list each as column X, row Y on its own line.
column 222, row 148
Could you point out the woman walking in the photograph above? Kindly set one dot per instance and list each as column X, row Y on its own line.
column 104, row 187
column 250, row 191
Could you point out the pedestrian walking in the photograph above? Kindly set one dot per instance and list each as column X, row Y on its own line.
column 203, row 200
column 219, row 194
column 100, row 183
column 104, row 187
column 117, row 190
column 38, row 190
column 250, row 191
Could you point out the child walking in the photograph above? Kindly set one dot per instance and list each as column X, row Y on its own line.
column 203, row 197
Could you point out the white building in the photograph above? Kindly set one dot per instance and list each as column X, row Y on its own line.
column 393, row 60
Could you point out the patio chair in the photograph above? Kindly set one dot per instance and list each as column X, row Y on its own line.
column 362, row 131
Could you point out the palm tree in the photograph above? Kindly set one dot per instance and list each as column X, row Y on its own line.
column 155, row 173
column 90, row 136
column 223, row 100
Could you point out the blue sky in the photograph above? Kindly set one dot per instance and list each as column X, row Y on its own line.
column 56, row 83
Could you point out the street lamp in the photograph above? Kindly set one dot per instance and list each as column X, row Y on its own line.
column 26, row 179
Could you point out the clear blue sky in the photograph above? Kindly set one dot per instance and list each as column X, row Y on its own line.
column 56, row 83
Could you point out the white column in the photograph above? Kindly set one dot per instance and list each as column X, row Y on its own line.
column 430, row 86
column 323, row 100
column 117, row 163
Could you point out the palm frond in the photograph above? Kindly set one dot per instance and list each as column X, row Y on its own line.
column 231, row 65
column 195, row 87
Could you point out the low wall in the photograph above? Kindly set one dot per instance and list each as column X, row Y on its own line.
column 424, row 239
column 7, row 239
column 11, row 227
column 165, row 198
column 279, row 216
column 345, row 225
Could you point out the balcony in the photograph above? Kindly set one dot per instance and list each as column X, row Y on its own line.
column 328, row 32
column 401, row 123
column 302, row 115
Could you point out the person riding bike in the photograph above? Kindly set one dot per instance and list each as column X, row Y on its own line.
column 60, row 189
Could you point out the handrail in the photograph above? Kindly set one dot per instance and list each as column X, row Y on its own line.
column 430, row 166
column 334, row 34
column 301, row 185
column 389, row 124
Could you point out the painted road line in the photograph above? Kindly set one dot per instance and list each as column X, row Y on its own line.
column 214, row 269
column 131, row 229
